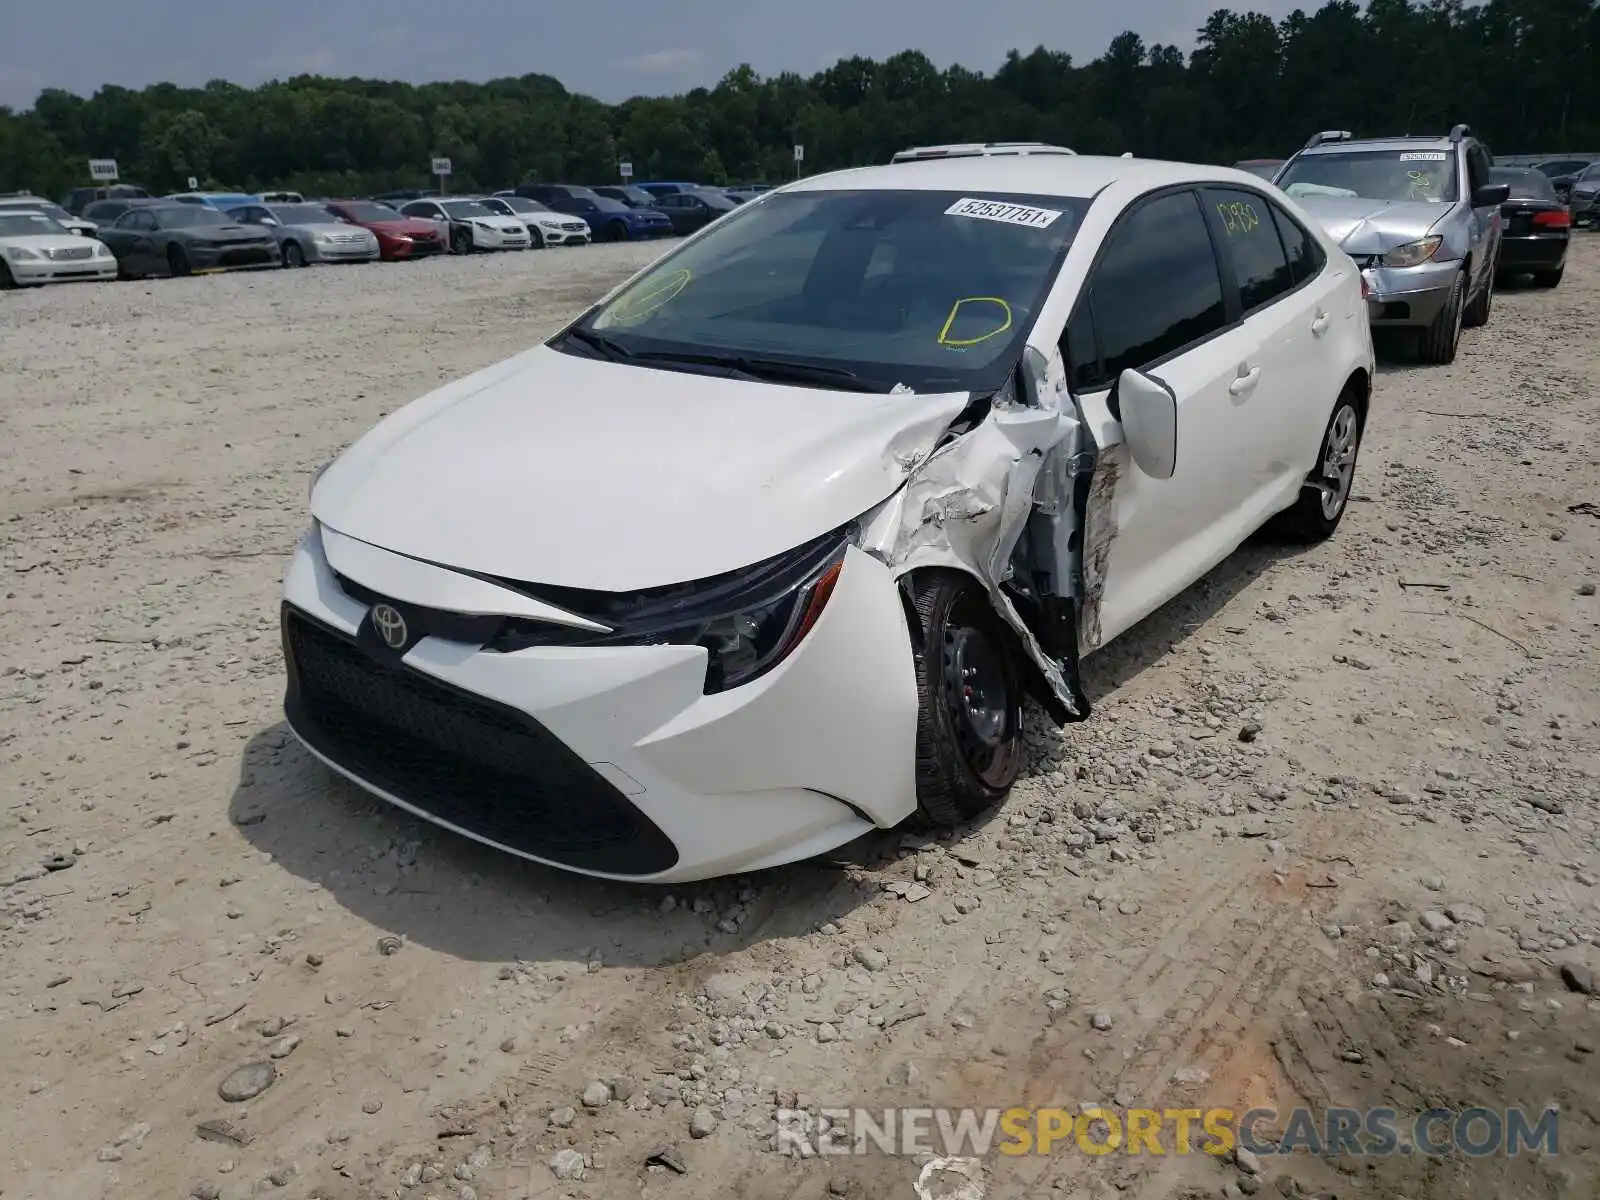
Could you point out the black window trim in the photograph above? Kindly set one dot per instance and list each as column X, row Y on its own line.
column 1230, row 296
column 1230, row 277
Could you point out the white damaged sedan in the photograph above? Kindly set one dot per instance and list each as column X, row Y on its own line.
column 767, row 549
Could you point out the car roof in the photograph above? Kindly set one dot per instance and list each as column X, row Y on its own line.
column 1078, row 176
column 1406, row 142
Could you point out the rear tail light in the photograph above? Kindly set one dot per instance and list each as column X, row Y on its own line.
column 1552, row 220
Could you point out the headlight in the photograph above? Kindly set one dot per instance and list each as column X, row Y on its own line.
column 101, row 250
column 1413, row 254
column 321, row 239
column 748, row 621
column 17, row 253
column 402, row 237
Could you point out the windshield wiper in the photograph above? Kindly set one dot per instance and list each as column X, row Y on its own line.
column 599, row 343
column 771, row 370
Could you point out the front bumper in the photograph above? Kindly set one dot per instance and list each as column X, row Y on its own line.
column 499, row 239
column 394, row 249
column 344, row 252
column 47, row 270
column 1409, row 296
column 563, row 237
column 228, row 258
column 611, row 761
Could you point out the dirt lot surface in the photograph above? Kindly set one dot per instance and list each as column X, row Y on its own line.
column 1329, row 839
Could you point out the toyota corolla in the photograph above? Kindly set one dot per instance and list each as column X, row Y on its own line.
column 768, row 547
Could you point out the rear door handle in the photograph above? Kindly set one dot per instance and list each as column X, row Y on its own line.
column 1319, row 325
column 1246, row 381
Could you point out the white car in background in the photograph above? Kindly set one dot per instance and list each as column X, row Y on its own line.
column 470, row 225
column 546, row 226
column 766, row 549
column 36, row 248
column 26, row 203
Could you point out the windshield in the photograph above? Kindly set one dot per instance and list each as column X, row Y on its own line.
column 1399, row 175
column 715, row 199
column 301, row 214
column 180, row 216
column 934, row 290
column 462, row 209
column 372, row 212
column 522, row 204
column 1264, row 170
column 1525, row 185
column 27, row 224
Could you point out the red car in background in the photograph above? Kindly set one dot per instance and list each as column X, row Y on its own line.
column 398, row 236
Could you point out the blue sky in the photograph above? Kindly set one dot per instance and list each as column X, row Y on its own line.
column 611, row 49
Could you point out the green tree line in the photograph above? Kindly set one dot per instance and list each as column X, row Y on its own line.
column 1523, row 73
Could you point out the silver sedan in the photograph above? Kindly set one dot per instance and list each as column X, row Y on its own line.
column 309, row 233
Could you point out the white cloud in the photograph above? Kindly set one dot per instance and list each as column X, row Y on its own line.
column 661, row 61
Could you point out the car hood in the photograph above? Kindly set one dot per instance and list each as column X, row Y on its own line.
column 1362, row 226
column 328, row 227
column 550, row 220
column 226, row 233
column 575, row 472
column 501, row 222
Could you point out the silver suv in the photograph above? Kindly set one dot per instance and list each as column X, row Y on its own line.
column 1420, row 217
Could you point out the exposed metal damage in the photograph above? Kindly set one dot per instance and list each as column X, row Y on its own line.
column 998, row 502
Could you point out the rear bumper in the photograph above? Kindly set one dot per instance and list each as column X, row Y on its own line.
column 1542, row 251
column 1409, row 296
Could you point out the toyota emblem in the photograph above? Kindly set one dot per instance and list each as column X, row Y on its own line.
column 391, row 626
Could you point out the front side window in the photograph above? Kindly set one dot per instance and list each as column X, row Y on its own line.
column 933, row 290
column 1397, row 175
column 184, row 216
column 1157, row 287
column 1243, row 223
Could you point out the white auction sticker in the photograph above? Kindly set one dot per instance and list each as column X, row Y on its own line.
column 1010, row 214
column 1423, row 156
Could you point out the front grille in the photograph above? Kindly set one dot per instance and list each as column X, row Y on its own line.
column 347, row 239
column 572, row 226
column 67, row 253
column 479, row 765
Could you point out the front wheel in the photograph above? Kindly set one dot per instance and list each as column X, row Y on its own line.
column 1440, row 340
column 293, row 256
column 461, row 241
column 969, row 699
column 1325, row 494
column 1477, row 313
column 177, row 261
column 7, row 280
column 616, row 232
column 535, row 240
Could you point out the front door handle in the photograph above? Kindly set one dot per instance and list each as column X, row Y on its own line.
column 1319, row 325
column 1246, row 381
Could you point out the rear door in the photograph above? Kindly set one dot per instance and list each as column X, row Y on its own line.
column 1156, row 300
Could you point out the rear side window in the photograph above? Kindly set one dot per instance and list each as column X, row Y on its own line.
column 1156, row 289
column 1303, row 251
column 1249, row 237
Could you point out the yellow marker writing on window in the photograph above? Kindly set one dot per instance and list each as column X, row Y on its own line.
column 640, row 305
column 1238, row 217
column 1003, row 317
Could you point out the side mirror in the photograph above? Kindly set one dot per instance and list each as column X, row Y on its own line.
column 1149, row 411
column 1491, row 195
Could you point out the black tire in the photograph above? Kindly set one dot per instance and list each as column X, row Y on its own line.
column 177, row 261
column 293, row 255
column 616, row 231
column 1438, row 343
column 7, row 281
column 460, row 241
column 969, row 699
column 1325, row 495
column 1477, row 313
column 1549, row 279
column 535, row 239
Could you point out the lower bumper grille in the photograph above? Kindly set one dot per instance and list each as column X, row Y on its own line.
column 478, row 765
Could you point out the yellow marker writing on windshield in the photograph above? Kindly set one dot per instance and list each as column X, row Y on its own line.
column 955, row 310
column 639, row 306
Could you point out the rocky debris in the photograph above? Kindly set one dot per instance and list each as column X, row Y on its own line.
column 247, row 1082
column 668, row 1157
column 1578, row 978
column 567, row 1164
column 1100, row 1021
column 596, row 1094
column 389, row 944
column 870, row 958
column 702, row 1122
column 284, row 1046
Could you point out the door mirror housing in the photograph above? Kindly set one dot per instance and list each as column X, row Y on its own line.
column 1491, row 195
column 1149, row 412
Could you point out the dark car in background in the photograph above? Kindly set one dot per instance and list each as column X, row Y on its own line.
column 1537, row 227
column 633, row 197
column 180, row 239
column 103, row 212
column 667, row 187
column 1583, row 196
column 609, row 220
column 398, row 237
column 689, row 211
column 1262, row 168
column 78, row 199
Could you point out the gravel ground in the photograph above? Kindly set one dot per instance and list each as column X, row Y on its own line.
column 1329, row 839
